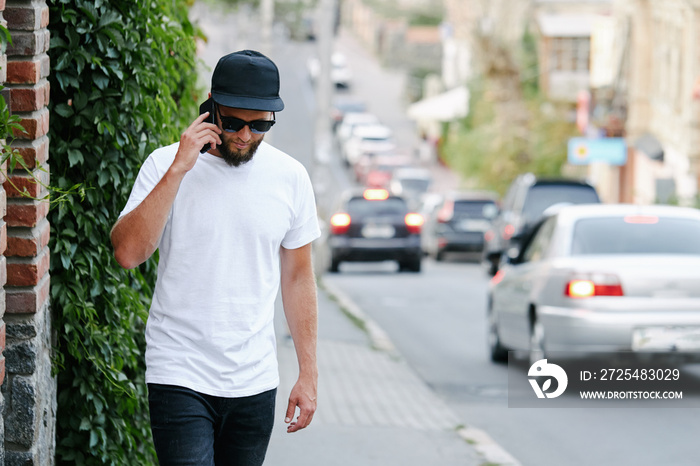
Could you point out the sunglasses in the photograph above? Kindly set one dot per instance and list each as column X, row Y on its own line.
column 234, row 125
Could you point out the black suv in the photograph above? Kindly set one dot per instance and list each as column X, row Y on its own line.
column 373, row 225
column 523, row 205
column 458, row 223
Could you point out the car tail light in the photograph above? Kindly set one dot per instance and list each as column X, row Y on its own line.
column 414, row 222
column 376, row 194
column 489, row 235
column 340, row 223
column 496, row 279
column 594, row 285
column 508, row 231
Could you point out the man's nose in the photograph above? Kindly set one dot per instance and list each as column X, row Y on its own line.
column 244, row 133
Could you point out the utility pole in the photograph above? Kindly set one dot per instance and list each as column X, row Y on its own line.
column 324, row 36
column 267, row 17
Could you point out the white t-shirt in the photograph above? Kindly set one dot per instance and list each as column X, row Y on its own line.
column 210, row 326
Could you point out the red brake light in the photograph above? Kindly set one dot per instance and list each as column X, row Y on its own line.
column 508, row 231
column 596, row 285
column 496, row 279
column 376, row 194
column 414, row 222
column 340, row 223
column 489, row 235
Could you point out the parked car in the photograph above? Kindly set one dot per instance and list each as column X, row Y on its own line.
column 341, row 76
column 459, row 222
column 373, row 225
column 376, row 170
column 350, row 121
column 523, row 205
column 367, row 139
column 594, row 278
column 343, row 105
column 411, row 183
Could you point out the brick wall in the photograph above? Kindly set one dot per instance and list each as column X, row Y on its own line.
column 29, row 389
column 3, row 270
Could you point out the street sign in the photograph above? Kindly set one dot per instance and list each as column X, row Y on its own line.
column 583, row 151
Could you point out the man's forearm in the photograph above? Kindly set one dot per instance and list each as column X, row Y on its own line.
column 135, row 236
column 302, row 318
column 300, row 307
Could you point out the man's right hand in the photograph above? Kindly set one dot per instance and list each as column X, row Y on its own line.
column 136, row 235
column 196, row 136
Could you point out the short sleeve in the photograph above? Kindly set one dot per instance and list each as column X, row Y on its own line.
column 305, row 227
column 146, row 180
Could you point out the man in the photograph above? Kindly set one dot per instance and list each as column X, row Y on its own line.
column 233, row 224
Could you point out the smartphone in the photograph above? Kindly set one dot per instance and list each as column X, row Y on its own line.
column 207, row 106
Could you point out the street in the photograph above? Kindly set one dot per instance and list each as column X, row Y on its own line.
column 437, row 319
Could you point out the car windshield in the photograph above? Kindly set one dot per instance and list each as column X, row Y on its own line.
column 360, row 207
column 415, row 184
column 473, row 209
column 541, row 196
column 615, row 235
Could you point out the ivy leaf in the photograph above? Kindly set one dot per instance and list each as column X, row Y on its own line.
column 74, row 157
column 64, row 110
column 85, row 424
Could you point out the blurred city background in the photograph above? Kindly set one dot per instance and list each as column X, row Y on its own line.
column 489, row 119
column 494, row 179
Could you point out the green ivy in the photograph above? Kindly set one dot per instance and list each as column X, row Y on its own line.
column 123, row 81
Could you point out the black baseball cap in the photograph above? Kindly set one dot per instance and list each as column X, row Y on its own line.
column 247, row 79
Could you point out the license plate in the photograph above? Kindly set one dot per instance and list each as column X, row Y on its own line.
column 378, row 231
column 670, row 338
column 473, row 225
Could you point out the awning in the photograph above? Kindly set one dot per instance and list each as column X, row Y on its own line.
column 447, row 106
column 565, row 25
column 650, row 146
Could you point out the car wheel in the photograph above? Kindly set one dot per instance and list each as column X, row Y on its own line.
column 335, row 266
column 410, row 266
column 537, row 346
column 440, row 256
column 497, row 351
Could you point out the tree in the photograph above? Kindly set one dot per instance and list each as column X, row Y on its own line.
column 122, row 83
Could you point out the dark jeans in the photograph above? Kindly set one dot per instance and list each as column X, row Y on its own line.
column 193, row 429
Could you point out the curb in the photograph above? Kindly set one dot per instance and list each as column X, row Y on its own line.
column 378, row 337
column 485, row 446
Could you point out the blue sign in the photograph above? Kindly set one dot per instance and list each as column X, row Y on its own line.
column 582, row 151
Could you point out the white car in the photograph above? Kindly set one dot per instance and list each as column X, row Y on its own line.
column 351, row 120
column 365, row 139
column 341, row 76
column 411, row 182
column 601, row 278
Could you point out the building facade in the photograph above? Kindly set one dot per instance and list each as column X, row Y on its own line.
column 663, row 112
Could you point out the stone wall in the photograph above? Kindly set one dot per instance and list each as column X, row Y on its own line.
column 29, row 389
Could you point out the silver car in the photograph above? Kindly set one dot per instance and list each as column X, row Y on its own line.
column 594, row 278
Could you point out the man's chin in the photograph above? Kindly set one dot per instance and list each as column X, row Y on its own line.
column 236, row 157
column 236, row 160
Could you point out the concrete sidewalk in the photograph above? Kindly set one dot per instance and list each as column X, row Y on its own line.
column 373, row 409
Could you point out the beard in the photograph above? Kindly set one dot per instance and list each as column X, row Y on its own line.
column 237, row 157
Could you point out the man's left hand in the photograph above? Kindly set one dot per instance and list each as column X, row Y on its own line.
column 303, row 395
